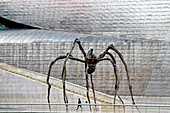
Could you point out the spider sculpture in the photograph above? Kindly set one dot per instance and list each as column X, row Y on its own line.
column 90, row 61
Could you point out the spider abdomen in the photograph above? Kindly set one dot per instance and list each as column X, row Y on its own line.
column 91, row 68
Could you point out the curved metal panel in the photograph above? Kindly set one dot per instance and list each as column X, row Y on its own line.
column 132, row 19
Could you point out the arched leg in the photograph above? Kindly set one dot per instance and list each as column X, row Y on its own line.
column 127, row 73
column 48, row 77
column 87, row 85
column 125, row 65
column 49, row 71
column 64, row 77
column 68, row 56
column 93, row 89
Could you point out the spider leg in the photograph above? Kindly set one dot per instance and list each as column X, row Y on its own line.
column 117, row 79
column 63, row 81
column 115, row 71
column 48, row 77
column 93, row 89
column 117, row 85
column 115, row 68
column 87, row 85
column 64, row 68
column 125, row 65
column 68, row 56
column 87, row 82
column 49, row 71
column 80, row 47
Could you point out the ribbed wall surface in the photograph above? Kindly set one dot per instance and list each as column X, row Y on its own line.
column 130, row 19
column 148, row 61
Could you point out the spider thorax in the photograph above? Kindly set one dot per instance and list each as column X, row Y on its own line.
column 92, row 61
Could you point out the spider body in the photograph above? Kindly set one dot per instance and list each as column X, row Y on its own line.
column 91, row 68
column 90, row 61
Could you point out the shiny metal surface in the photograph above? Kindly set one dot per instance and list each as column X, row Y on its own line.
column 47, row 36
column 127, row 19
column 148, row 61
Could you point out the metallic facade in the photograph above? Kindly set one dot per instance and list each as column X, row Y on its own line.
column 130, row 21
column 127, row 19
column 148, row 61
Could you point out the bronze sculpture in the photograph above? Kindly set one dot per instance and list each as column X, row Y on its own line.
column 90, row 62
